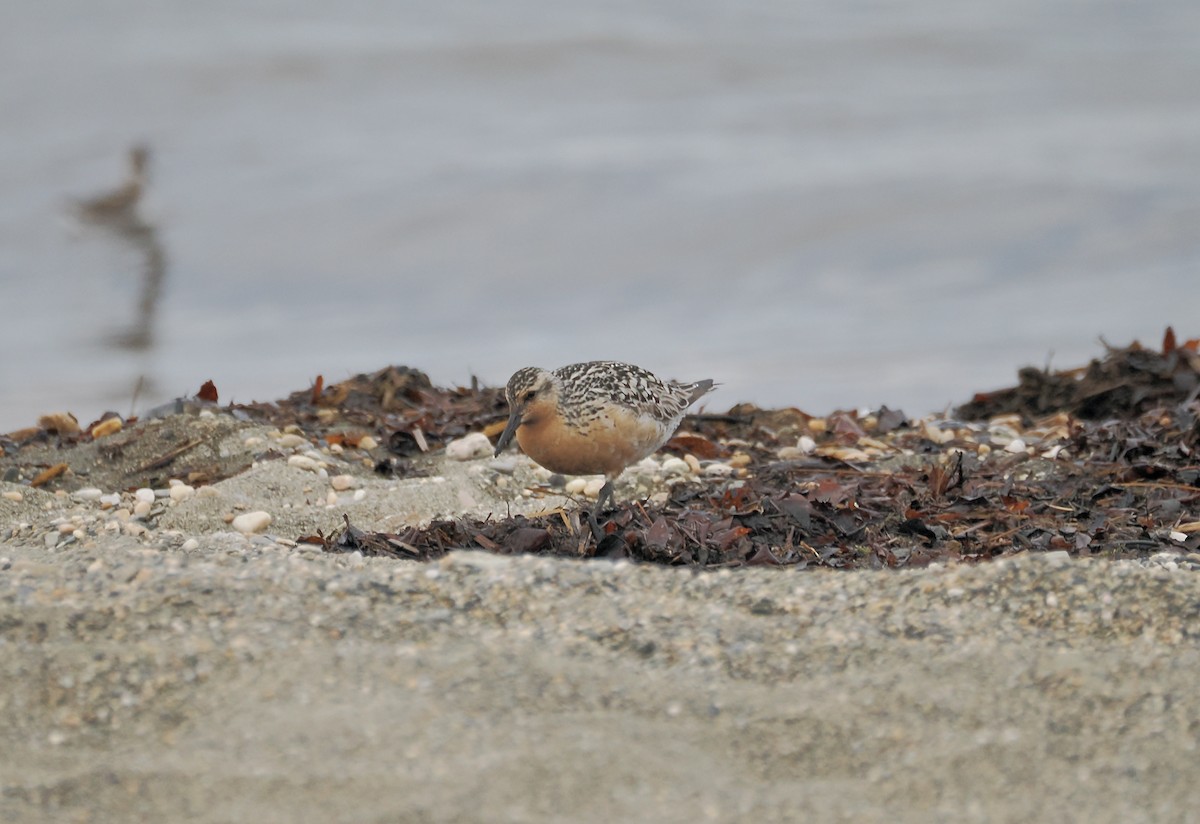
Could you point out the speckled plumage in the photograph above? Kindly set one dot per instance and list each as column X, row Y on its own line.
column 586, row 389
column 596, row 417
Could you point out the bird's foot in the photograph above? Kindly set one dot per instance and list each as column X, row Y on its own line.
column 597, row 530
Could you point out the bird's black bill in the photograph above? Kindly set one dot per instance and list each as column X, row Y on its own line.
column 514, row 420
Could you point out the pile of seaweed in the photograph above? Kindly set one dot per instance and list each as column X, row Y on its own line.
column 1094, row 461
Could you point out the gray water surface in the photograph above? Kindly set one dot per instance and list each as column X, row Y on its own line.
column 826, row 204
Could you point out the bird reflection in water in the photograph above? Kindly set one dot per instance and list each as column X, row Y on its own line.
column 116, row 212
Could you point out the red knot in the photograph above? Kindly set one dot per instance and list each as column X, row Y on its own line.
column 594, row 418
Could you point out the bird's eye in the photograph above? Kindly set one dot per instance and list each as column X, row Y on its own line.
column 527, row 395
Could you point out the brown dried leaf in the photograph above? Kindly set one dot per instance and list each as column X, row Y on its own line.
column 47, row 475
column 698, row 445
column 208, row 392
column 527, row 540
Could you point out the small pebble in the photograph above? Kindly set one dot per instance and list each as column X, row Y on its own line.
column 473, row 446
column 145, row 494
column 360, row 494
column 718, row 470
column 88, row 493
column 367, row 442
column 575, row 486
column 592, row 488
column 251, row 522
column 648, row 466
column 505, row 465
column 303, row 462
column 13, row 495
column 675, row 466
column 292, row 441
column 110, row 500
column 1015, row 445
column 141, row 509
column 190, row 545
column 342, row 482
column 181, row 492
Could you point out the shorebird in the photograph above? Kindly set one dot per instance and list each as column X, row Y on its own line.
column 120, row 203
column 594, row 418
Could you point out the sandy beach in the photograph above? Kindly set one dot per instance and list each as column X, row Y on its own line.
column 172, row 668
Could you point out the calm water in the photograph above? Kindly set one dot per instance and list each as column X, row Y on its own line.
column 821, row 204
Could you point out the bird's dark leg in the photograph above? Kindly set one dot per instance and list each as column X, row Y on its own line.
column 606, row 493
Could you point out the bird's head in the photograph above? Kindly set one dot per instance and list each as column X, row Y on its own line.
column 529, row 390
